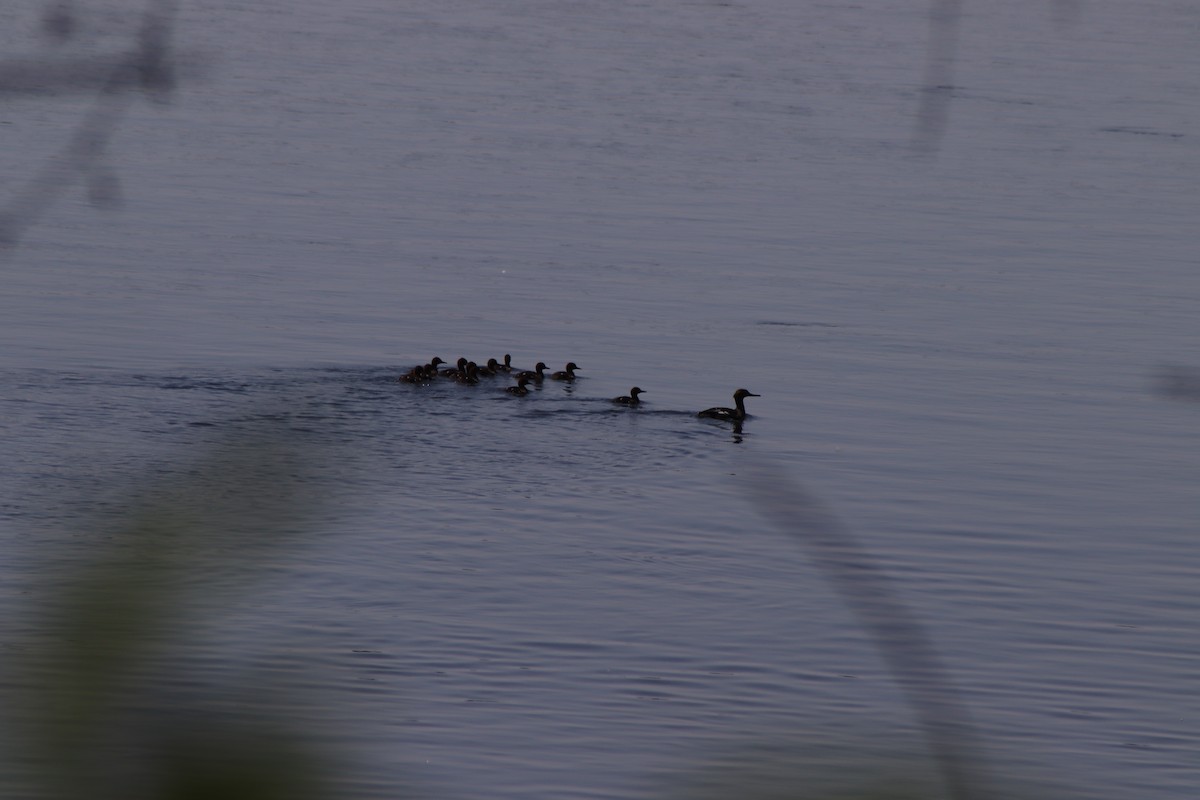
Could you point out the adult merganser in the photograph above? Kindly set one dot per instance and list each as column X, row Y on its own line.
column 733, row 414
column 567, row 373
column 630, row 399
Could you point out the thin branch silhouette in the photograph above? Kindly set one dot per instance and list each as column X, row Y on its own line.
column 899, row 637
column 937, row 83
column 941, row 53
column 148, row 68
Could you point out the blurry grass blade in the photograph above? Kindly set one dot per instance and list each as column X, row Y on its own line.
column 934, row 110
column 899, row 637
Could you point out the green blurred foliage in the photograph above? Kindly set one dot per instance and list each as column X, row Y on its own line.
column 83, row 720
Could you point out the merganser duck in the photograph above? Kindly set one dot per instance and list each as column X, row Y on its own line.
column 536, row 375
column 520, row 390
column 567, row 373
column 493, row 366
column 461, row 369
column 507, row 366
column 421, row 372
column 470, row 373
column 733, row 414
column 630, row 399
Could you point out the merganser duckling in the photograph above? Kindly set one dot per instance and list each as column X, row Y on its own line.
column 630, row 399
column 470, row 373
column 733, row 414
column 567, row 373
column 431, row 369
column 536, row 375
column 520, row 390
column 489, row 371
column 421, row 372
column 461, row 369
column 507, row 366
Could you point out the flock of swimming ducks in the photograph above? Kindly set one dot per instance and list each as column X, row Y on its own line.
column 469, row 372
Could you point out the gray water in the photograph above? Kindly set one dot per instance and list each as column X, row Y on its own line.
column 546, row 597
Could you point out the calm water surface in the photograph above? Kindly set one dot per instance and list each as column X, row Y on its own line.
column 550, row 598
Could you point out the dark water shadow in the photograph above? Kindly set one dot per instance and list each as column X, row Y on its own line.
column 1178, row 383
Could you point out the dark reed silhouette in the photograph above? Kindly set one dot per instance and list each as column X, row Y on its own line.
column 941, row 52
column 898, row 635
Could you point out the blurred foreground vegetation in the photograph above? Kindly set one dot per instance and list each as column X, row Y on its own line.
column 96, row 714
